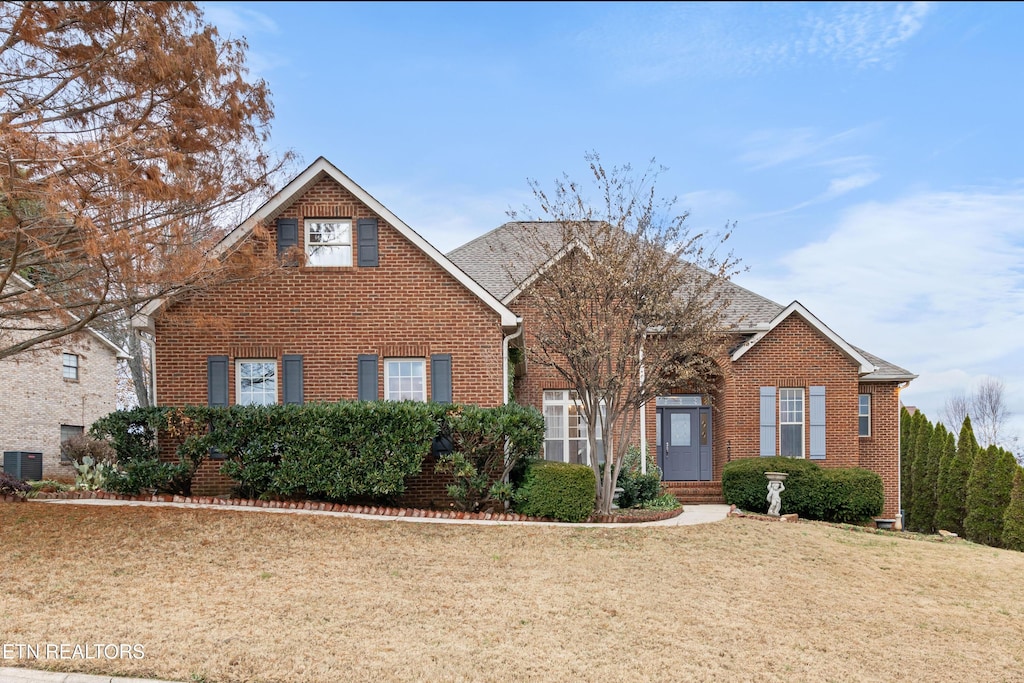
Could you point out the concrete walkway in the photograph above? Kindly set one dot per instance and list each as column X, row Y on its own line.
column 692, row 514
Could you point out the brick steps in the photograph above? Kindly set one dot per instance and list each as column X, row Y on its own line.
column 695, row 492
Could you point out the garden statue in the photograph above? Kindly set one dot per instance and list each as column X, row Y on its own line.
column 775, row 489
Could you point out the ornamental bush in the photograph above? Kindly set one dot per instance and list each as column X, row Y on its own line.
column 638, row 489
column 487, row 444
column 133, row 436
column 12, row 486
column 561, row 491
column 745, row 486
column 843, row 494
column 851, row 494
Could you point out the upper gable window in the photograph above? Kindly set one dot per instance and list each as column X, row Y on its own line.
column 328, row 242
column 70, row 363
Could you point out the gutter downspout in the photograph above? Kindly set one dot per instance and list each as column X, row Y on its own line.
column 504, row 357
column 643, row 419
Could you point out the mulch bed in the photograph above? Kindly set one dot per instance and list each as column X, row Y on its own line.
column 621, row 516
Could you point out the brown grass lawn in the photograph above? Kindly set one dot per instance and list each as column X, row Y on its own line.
column 221, row 595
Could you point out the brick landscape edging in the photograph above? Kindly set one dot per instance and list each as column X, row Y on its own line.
column 381, row 510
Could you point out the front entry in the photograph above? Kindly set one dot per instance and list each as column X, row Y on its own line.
column 684, row 449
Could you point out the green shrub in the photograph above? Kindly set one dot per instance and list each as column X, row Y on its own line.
column 561, row 491
column 334, row 451
column 745, row 486
column 851, row 494
column 665, row 501
column 1013, row 518
column 486, row 445
column 988, row 495
column 638, row 489
column 133, row 436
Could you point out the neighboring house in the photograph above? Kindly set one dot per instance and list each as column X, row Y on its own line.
column 56, row 391
column 374, row 312
column 789, row 386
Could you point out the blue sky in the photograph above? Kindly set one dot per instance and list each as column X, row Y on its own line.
column 870, row 154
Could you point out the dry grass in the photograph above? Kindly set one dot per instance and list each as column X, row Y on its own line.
column 222, row 595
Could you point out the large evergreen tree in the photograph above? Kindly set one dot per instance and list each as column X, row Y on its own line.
column 927, row 502
column 988, row 495
column 945, row 510
column 921, row 511
column 1013, row 518
column 907, row 425
column 952, row 493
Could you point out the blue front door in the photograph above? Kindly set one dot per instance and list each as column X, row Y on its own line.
column 684, row 453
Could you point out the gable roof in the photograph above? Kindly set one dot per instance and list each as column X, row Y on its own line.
column 322, row 168
column 26, row 285
column 502, row 260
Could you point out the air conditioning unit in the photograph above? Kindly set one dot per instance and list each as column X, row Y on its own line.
column 25, row 465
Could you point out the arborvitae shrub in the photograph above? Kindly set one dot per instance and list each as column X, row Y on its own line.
column 557, row 490
column 952, row 495
column 1013, row 518
column 920, row 510
column 988, row 495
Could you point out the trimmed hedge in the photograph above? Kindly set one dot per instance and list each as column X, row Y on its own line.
column 332, row 451
column 847, row 494
column 561, row 491
column 744, row 485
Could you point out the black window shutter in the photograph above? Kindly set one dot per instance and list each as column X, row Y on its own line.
column 217, row 381
column 366, row 230
column 287, row 236
column 441, row 378
column 368, row 378
column 292, row 379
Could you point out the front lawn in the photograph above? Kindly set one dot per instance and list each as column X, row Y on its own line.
column 228, row 595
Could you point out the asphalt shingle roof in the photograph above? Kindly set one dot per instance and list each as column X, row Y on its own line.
column 501, row 259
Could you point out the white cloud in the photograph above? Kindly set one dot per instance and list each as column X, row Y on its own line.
column 773, row 147
column 678, row 40
column 234, row 20
column 933, row 282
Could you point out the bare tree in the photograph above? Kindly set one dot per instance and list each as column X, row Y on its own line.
column 955, row 410
column 624, row 301
column 989, row 411
column 127, row 130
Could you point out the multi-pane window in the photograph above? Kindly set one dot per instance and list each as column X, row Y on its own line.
column 70, row 362
column 565, row 428
column 791, row 422
column 257, row 382
column 864, row 414
column 68, row 432
column 405, row 379
column 329, row 242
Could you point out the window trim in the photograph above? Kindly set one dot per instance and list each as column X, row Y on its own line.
column 238, row 380
column 65, row 366
column 387, row 378
column 65, row 460
column 860, row 415
column 564, row 402
column 308, row 222
column 803, row 421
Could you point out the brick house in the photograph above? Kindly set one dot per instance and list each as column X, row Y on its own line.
column 55, row 391
column 789, row 386
column 372, row 311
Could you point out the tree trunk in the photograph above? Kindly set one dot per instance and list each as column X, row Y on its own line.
column 138, row 364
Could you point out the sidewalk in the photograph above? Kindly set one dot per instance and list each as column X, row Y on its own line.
column 692, row 514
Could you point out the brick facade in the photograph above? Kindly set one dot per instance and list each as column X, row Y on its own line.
column 407, row 307
column 37, row 399
column 793, row 355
